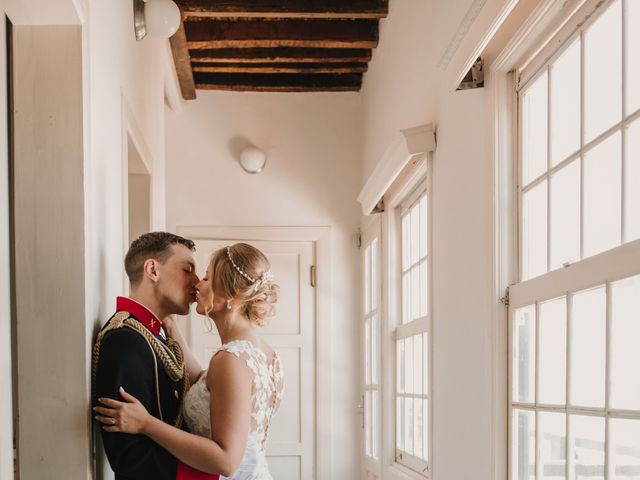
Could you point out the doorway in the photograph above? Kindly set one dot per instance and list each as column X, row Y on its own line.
column 139, row 192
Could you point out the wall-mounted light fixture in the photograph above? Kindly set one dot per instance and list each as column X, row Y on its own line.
column 158, row 18
column 252, row 160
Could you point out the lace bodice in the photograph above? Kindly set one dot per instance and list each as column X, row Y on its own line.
column 267, row 393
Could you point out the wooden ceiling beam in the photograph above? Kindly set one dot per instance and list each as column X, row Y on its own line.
column 284, row 8
column 284, row 82
column 251, row 33
column 265, row 88
column 281, row 55
column 182, row 62
column 280, row 67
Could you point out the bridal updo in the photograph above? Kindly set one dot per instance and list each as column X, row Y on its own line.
column 243, row 272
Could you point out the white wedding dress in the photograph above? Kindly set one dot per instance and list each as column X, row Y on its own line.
column 268, row 387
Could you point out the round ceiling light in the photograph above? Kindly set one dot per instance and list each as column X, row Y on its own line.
column 158, row 18
column 252, row 160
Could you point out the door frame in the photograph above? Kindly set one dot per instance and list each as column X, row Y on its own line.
column 6, row 339
column 321, row 237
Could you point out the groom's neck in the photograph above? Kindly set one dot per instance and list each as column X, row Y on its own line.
column 149, row 300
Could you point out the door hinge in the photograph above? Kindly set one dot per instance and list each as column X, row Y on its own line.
column 505, row 300
column 357, row 239
column 312, row 274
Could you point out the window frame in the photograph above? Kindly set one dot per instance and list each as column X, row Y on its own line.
column 417, row 176
column 587, row 272
column 527, row 74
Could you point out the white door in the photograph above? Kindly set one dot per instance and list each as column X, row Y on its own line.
column 370, row 350
column 290, row 332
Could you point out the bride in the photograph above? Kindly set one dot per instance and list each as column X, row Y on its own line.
column 231, row 404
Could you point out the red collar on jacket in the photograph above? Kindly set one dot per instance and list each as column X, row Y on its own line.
column 142, row 313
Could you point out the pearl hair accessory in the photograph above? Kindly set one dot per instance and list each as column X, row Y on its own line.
column 257, row 282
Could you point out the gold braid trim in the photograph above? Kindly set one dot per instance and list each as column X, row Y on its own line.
column 170, row 354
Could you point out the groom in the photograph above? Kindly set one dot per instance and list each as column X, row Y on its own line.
column 132, row 351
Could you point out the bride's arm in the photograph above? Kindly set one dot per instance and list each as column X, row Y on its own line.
column 230, row 410
column 192, row 366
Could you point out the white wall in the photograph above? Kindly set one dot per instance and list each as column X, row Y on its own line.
column 125, row 85
column 311, row 178
column 116, row 71
column 403, row 88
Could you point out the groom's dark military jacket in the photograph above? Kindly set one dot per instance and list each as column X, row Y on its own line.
column 125, row 360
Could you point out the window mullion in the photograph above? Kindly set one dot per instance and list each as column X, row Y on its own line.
column 607, row 379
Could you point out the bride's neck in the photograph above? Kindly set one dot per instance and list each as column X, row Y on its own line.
column 234, row 327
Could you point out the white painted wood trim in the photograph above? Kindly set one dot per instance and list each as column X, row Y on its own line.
column 406, row 144
column 478, row 35
column 6, row 394
column 45, row 12
column 500, row 114
column 171, row 83
column 324, row 350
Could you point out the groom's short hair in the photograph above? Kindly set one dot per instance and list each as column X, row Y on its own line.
column 155, row 245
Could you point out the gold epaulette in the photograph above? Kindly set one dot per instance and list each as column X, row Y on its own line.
column 170, row 354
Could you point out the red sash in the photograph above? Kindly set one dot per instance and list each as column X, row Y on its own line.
column 185, row 472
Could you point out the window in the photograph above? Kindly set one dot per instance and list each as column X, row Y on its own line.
column 412, row 338
column 371, row 346
column 575, row 393
column 579, row 145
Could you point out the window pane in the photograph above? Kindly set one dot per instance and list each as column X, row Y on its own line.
column 408, row 425
column 602, row 196
column 603, row 72
column 632, row 13
column 553, row 351
column 399, row 424
column 415, row 293
column 418, row 364
column 419, row 429
column 625, row 338
column 565, row 216
column 565, row 104
column 588, row 348
column 624, row 453
column 408, row 365
column 425, row 430
column 534, row 130
column 367, row 422
column 374, row 349
column 406, row 237
column 424, row 230
column 367, row 280
column 425, row 372
column 415, row 234
column 406, row 297
column 524, row 444
column 375, row 254
column 424, row 288
column 400, row 366
column 367, row 351
column 375, row 424
column 534, row 231
column 552, row 445
column 524, row 355
column 632, row 181
column 587, row 448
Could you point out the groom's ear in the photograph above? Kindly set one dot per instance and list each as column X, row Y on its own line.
column 151, row 269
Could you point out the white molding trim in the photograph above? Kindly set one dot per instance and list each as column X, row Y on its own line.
column 324, row 467
column 479, row 33
column 172, row 90
column 406, row 144
column 45, row 12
